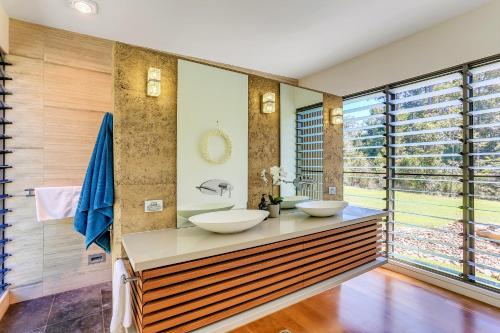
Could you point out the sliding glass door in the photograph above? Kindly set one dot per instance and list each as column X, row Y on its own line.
column 428, row 152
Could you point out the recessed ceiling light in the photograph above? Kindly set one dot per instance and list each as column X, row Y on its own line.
column 87, row 7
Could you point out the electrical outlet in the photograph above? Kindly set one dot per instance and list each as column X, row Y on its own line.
column 151, row 206
column 96, row 258
column 332, row 190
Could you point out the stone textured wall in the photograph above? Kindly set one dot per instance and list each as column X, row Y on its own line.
column 332, row 149
column 263, row 136
column 144, row 140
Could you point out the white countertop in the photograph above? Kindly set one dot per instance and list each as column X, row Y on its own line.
column 152, row 249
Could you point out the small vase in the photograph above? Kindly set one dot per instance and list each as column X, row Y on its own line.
column 274, row 210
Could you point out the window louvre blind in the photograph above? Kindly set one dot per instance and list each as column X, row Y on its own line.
column 435, row 144
column 484, row 172
column 426, row 128
column 309, row 153
column 364, row 150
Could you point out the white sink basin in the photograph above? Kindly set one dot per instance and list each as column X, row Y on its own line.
column 322, row 208
column 229, row 221
column 187, row 211
column 291, row 201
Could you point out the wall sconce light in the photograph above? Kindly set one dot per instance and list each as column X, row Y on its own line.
column 336, row 116
column 268, row 102
column 154, row 84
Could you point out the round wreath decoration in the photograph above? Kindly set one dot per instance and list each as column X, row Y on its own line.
column 204, row 146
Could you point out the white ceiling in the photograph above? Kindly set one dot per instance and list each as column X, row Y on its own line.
column 292, row 38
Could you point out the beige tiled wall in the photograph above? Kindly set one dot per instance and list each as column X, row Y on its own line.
column 61, row 88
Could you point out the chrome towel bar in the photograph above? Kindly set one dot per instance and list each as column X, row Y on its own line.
column 129, row 279
column 124, row 278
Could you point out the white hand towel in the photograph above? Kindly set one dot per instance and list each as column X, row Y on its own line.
column 127, row 313
column 122, row 310
column 55, row 203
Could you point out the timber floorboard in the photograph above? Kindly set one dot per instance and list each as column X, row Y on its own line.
column 382, row 301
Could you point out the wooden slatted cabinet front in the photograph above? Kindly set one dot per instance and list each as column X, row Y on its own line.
column 189, row 295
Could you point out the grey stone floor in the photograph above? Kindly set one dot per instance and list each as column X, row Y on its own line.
column 85, row 310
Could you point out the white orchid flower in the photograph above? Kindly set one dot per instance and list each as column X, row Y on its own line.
column 263, row 175
column 275, row 173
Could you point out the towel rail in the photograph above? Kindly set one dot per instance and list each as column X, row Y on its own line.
column 31, row 192
column 129, row 279
column 126, row 279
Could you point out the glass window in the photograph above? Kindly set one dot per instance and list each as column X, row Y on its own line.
column 364, row 151
column 429, row 153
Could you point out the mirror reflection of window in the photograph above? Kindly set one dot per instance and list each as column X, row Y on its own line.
column 301, row 141
column 309, row 151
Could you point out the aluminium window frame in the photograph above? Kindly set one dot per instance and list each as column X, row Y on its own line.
column 468, row 176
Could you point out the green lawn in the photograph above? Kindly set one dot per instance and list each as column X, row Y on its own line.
column 445, row 209
column 446, row 267
column 453, row 269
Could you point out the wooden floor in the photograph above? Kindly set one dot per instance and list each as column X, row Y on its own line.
column 382, row 301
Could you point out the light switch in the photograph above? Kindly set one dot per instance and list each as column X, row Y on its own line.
column 332, row 190
column 151, row 206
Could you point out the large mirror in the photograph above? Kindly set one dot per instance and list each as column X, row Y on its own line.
column 301, row 144
column 212, row 140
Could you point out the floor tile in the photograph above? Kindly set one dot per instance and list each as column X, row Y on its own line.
column 106, row 296
column 107, row 313
column 75, row 303
column 27, row 316
column 88, row 324
column 103, row 285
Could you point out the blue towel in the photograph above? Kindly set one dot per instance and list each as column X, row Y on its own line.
column 94, row 214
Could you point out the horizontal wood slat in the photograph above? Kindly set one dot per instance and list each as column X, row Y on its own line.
column 232, row 311
column 137, row 319
column 252, row 268
column 207, row 320
column 137, row 303
column 343, row 269
column 241, row 261
column 151, row 273
column 200, row 292
column 228, row 279
column 224, row 304
column 278, row 273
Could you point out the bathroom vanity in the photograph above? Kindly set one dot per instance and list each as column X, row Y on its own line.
column 190, row 278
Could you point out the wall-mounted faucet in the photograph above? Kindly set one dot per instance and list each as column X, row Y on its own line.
column 300, row 182
column 225, row 187
column 216, row 187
